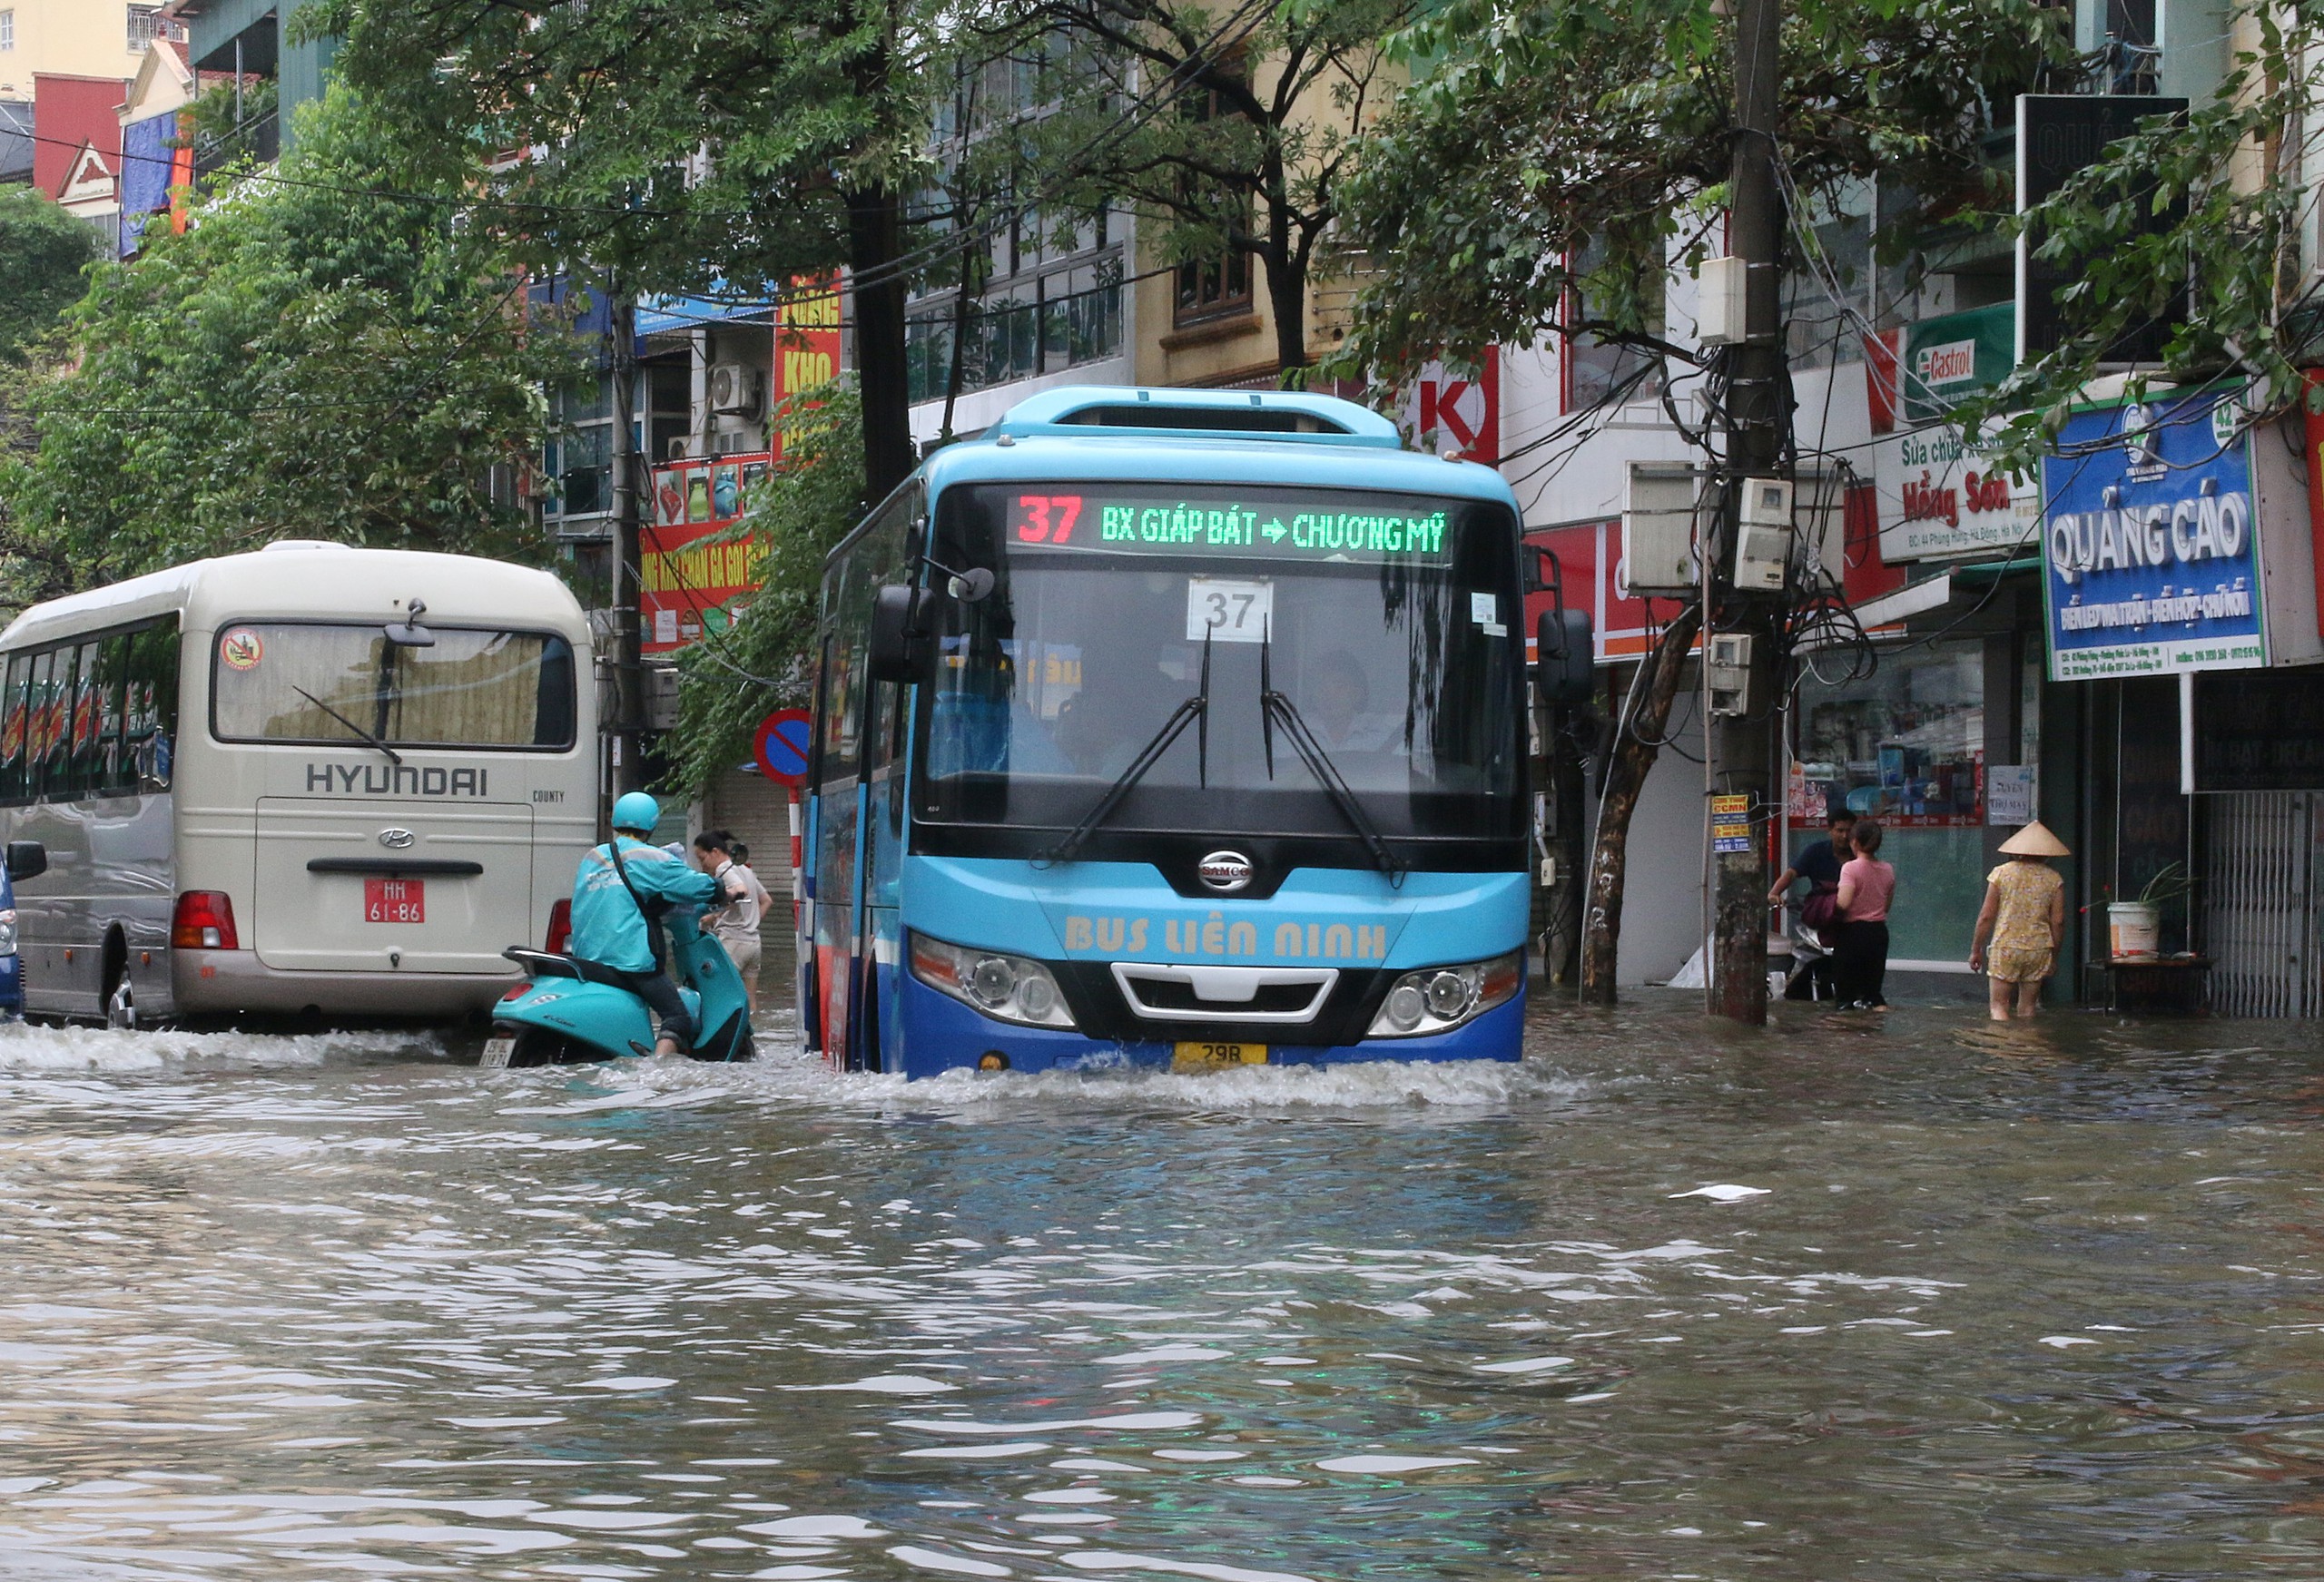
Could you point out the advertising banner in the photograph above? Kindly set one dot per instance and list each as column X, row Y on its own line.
column 1940, row 495
column 1455, row 415
column 2151, row 542
column 691, row 580
column 806, row 339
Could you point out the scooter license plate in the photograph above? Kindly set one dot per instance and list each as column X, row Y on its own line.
column 496, row 1052
column 395, row 900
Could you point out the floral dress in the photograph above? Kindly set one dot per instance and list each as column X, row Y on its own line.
column 2020, row 950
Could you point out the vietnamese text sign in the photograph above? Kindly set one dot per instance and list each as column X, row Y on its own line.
column 2151, row 542
column 1939, row 495
column 694, row 575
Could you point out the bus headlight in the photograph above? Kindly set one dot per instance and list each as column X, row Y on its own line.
column 1437, row 999
column 7, row 931
column 1007, row 988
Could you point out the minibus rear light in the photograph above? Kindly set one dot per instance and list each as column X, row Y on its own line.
column 560, row 928
column 205, row 921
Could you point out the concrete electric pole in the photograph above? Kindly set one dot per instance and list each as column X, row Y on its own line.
column 624, row 733
column 1741, row 641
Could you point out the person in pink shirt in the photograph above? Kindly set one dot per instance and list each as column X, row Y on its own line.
column 1867, row 887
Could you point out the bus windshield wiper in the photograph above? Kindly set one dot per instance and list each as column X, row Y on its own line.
column 393, row 756
column 1196, row 709
column 1276, row 708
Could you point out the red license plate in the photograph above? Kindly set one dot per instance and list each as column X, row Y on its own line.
column 395, row 900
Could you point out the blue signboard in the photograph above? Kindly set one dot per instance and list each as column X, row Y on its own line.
column 2151, row 542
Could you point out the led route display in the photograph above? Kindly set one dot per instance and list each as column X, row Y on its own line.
column 1261, row 523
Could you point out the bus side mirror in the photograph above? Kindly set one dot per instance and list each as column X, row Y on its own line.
column 26, row 859
column 899, row 642
column 1563, row 658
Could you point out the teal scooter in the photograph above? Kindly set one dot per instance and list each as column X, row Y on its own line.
column 561, row 1015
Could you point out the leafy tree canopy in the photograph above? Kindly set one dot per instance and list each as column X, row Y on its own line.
column 728, row 681
column 43, row 252
column 1554, row 157
column 311, row 358
column 2197, row 223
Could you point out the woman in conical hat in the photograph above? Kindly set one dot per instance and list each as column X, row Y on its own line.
column 2024, row 920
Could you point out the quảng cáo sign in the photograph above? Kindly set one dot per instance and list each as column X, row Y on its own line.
column 2151, row 542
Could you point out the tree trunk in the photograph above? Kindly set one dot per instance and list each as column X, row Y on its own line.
column 1634, row 754
column 875, row 245
column 1288, row 304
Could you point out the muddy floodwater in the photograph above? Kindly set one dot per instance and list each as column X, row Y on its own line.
column 1908, row 1299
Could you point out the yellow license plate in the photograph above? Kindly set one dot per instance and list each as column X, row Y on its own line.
column 1202, row 1057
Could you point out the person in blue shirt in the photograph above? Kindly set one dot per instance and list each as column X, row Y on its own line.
column 619, row 894
column 1820, row 864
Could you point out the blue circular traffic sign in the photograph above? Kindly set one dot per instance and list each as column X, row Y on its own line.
column 779, row 745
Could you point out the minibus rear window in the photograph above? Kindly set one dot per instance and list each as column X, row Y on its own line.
column 295, row 682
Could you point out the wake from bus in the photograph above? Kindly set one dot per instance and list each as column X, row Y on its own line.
column 45, row 1048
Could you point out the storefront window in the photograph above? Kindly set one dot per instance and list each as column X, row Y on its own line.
column 1907, row 745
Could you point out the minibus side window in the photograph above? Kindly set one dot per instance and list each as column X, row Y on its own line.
column 12, row 727
column 52, row 673
column 84, row 753
column 151, row 716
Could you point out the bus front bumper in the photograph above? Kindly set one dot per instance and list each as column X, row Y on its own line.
column 939, row 1034
column 211, row 982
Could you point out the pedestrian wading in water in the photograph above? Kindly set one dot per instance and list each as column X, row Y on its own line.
column 1860, row 964
column 2022, row 923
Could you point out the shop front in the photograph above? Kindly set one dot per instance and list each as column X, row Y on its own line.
column 2180, row 614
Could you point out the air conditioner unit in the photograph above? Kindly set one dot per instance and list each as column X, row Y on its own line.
column 737, row 389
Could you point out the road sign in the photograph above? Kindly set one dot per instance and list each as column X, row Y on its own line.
column 779, row 745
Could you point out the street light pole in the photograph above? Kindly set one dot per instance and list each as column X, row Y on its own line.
column 1742, row 745
column 624, row 733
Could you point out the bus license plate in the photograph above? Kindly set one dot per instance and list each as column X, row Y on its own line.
column 395, row 900
column 1205, row 1056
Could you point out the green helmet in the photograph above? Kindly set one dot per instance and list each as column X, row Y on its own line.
column 637, row 813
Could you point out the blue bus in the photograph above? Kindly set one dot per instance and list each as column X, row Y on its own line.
column 1170, row 728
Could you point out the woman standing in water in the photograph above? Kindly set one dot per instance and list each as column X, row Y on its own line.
column 1860, row 965
column 2025, row 919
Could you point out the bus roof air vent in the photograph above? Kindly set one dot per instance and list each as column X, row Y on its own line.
column 1075, row 410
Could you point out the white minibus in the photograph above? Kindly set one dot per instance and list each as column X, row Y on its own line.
column 311, row 779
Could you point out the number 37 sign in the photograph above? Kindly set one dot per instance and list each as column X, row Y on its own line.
column 1228, row 609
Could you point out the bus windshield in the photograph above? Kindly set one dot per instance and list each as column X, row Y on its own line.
column 317, row 683
column 1390, row 623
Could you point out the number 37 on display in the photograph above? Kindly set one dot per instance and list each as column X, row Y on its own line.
column 1046, row 519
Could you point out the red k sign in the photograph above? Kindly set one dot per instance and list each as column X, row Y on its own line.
column 1456, row 415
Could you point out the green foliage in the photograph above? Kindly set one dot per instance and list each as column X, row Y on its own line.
column 311, row 357
column 2213, row 206
column 1229, row 131
column 43, row 252
column 209, row 119
column 728, row 684
column 1553, row 158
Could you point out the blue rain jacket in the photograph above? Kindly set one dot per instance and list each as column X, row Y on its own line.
column 606, row 924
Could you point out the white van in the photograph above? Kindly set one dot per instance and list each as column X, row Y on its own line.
column 310, row 778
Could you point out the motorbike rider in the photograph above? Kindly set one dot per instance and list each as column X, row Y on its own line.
column 619, row 894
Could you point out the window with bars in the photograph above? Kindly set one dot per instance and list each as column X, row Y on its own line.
column 145, row 25
column 1217, row 286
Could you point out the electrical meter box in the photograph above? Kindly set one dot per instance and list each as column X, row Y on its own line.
column 1727, row 674
column 1722, row 300
column 1659, row 531
column 1763, row 537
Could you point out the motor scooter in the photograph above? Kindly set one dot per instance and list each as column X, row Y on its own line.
column 562, row 1015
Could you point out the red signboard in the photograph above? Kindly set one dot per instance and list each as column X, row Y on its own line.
column 696, row 577
column 2316, row 483
column 1455, row 414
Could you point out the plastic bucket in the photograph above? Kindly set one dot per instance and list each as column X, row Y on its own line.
column 2135, row 929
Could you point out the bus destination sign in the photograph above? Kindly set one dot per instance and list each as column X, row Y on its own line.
column 1289, row 528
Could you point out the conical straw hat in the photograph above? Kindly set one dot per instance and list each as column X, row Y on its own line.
column 2034, row 841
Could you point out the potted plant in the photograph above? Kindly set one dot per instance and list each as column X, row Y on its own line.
column 2134, row 928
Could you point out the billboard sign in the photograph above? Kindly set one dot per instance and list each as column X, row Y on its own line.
column 696, row 577
column 2151, row 542
column 1940, row 496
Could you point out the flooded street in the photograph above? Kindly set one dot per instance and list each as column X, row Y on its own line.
column 1670, row 1299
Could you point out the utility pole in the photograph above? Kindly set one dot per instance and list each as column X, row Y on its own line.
column 1742, row 745
column 624, row 734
